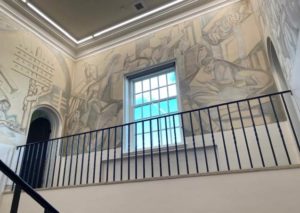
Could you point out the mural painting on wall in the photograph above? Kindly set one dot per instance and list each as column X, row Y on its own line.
column 219, row 57
column 31, row 74
column 282, row 18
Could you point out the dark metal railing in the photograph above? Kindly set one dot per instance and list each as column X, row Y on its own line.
column 250, row 133
column 22, row 185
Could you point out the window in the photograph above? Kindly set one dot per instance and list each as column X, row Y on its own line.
column 152, row 96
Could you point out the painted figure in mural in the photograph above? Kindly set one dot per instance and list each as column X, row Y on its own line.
column 220, row 28
column 5, row 119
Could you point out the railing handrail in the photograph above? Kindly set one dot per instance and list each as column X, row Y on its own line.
column 163, row 116
column 27, row 188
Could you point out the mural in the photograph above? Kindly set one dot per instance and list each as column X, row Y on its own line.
column 32, row 73
column 219, row 57
column 281, row 20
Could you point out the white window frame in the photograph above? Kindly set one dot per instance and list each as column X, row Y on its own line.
column 147, row 73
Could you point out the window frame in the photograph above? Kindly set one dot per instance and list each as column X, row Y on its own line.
column 146, row 73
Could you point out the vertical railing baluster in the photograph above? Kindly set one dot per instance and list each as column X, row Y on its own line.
column 176, row 146
column 101, row 158
column 40, row 164
column 194, row 144
column 223, row 138
column 89, row 159
column 185, row 148
column 49, row 163
column 71, row 161
column 121, row 147
column 167, row 142
column 151, row 148
column 115, row 146
column 203, row 140
column 128, row 153
column 135, row 146
column 60, row 159
column 280, row 131
column 29, row 172
column 159, row 148
column 54, row 166
column 95, row 155
column 32, row 180
column 143, row 139
column 234, row 137
column 290, row 121
column 77, row 158
column 267, row 130
column 16, row 170
column 82, row 159
column 245, row 135
column 213, row 139
column 66, row 160
column 256, row 135
column 107, row 155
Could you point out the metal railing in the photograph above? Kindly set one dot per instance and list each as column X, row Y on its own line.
column 22, row 185
column 250, row 133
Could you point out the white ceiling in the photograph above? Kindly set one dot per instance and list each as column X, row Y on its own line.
column 83, row 18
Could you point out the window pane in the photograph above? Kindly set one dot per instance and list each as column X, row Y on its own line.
column 138, row 99
column 162, row 80
column 155, row 109
column 146, row 96
column 138, row 87
column 172, row 90
column 154, row 83
column 146, row 126
column 146, row 111
column 146, row 85
column 154, row 94
column 177, row 120
column 139, row 141
column 173, row 105
column 163, row 93
column 155, row 139
column 163, row 107
column 137, row 113
column 171, row 78
column 147, row 140
column 154, row 125
column 139, row 128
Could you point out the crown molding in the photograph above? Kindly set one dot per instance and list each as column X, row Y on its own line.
column 183, row 11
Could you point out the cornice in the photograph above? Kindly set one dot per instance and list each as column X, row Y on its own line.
column 173, row 15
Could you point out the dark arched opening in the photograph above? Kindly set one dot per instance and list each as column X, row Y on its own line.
column 35, row 153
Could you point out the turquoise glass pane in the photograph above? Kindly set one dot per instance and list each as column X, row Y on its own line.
column 138, row 113
column 138, row 99
column 146, row 111
column 154, row 125
column 139, row 128
column 146, row 126
column 171, row 78
column 163, row 107
column 155, row 139
column 139, row 141
column 155, row 109
column 177, row 120
column 173, row 105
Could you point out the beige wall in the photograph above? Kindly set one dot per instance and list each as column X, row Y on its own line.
column 266, row 191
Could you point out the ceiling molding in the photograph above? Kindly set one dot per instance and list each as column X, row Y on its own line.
column 170, row 16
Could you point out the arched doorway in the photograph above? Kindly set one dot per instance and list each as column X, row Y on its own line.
column 43, row 126
column 38, row 136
